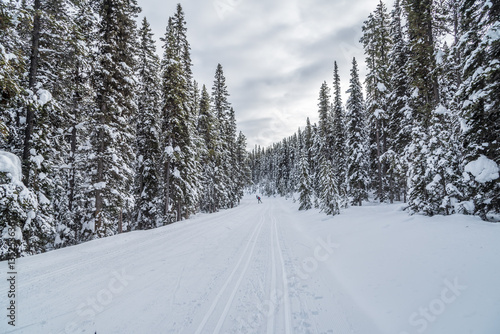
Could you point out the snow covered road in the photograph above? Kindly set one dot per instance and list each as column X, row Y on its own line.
column 267, row 268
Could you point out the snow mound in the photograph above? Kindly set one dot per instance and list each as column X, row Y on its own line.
column 483, row 169
column 11, row 165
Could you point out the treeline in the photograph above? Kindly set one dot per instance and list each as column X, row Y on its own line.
column 428, row 132
column 111, row 136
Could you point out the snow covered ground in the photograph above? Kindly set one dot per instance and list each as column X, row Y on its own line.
column 268, row 268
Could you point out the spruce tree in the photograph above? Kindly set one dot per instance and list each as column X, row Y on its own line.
column 424, row 99
column 242, row 169
column 357, row 164
column 75, row 224
column 377, row 43
column 17, row 209
column 399, row 122
column 113, row 129
column 305, row 187
column 325, row 122
column 480, row 101
column 208, row 131
column 177, row 127
column 222, row 111
column 326, row 178
column 339, row 141
column 148, row 202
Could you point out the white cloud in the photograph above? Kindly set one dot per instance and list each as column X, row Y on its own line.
column 275, row 54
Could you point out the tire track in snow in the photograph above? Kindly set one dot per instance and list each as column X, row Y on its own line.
column 253, row 239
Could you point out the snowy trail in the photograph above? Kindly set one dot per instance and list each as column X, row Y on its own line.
column 262, row 268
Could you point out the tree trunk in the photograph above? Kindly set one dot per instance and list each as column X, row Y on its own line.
column 379, row 164
column 167, row 186
column 120, row 222
column 179, row 217
column 30, row 112
column 72, row 181
column 100, row 175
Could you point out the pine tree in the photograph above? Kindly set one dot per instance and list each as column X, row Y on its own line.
column 242, row 169
column 222, row 112
column 208, row 128
column 399, row 122
column 12, row 66
column 305, row 187
column 148, row 201
column 330, row 198
column 424, row 99
column 357, row 165
column 179, row 162
column 113, row 130
column 480, row 101
column 326, row 178
column 377, row 43
column 339, row 143
column 325, row 122
column 76, row 222
column 17, row 209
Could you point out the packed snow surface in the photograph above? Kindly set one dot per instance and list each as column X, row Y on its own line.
column 269, row 268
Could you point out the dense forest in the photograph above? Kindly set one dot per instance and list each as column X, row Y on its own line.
column 114, row 138
column 111, row 136
column 427, row 129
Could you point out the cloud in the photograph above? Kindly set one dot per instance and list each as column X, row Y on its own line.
column 275, row 54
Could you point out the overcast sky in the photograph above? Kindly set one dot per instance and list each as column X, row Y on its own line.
column 275, row 54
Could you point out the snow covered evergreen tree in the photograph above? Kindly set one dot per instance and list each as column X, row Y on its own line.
column 377, row 43
column 222, row 111
column 76, row 224
column 12, row 66
column 147, row 185
column 305, row 186
column 480, row 103
column 241, row 169
column 17, row 209
column 208, row 131
column 339, row 159
column 113, row 133
column 357, row 164
column 399, row 122
column 424, row 99
column 179, row 161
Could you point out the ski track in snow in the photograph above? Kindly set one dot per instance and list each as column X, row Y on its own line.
column 252, row 240
column 286, row 296
column 244, row 288
column 257, row 268
column 273, row 288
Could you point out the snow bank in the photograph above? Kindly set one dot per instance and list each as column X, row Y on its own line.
column 11, row 165
column 483, row 169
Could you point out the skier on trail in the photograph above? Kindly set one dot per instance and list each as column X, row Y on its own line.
column 258, row 199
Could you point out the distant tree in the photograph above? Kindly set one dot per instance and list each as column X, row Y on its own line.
column 305, row 187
